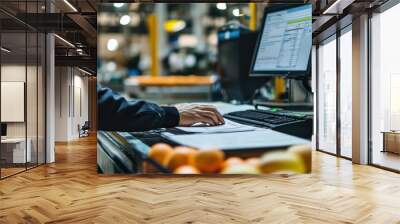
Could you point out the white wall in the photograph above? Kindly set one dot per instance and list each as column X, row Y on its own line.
column 61, row 103
column 71, row 94
column 12, row 73
column 16, row 73
column 80, row 112
column 33, row 127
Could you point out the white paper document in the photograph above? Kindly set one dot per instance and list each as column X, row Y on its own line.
column 228, row 127
column 263, row 139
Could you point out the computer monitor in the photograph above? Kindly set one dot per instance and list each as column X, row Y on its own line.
column 3, row 129
column 284, row 44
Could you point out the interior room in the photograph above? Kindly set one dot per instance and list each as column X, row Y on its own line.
column 38, row 108
column 22, row 98
column 334, row 54
column 56, row 158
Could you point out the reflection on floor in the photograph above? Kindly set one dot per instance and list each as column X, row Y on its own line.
column 387, row 159
column 9, row 170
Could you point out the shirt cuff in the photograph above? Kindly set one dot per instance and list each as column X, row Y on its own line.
column 171, row 118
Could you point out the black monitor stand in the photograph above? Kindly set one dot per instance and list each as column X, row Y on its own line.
column 298, row 98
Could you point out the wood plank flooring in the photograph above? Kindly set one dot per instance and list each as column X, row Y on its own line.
column 70, row 191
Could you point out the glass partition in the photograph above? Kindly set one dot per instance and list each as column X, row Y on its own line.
column 22, row 88
column 327, row 96
column 41, row 97
column 385, row 89
column 14, row 151
column 35, row 89
column 346, row 92
column 32, row 97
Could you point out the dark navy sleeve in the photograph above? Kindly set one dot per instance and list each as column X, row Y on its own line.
column 118, row 114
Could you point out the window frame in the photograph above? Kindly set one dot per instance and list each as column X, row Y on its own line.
column 341, row 26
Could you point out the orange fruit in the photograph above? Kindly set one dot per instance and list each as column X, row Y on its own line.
column 209, row 161
column 161, row 153
column 252, row 161
column 181, row 156
column 232, row 161
column 186, row 169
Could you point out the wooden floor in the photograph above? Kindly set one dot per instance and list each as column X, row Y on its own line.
column 70, row 191
column 10, row 171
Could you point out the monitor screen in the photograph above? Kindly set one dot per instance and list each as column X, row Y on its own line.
column 285, row 42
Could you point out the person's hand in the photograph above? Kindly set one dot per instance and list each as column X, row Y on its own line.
column 190, row 114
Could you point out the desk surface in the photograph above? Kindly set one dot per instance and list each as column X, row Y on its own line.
column 256, row 140
column 116, row 145
column 391, row 132
column 259, row 138
column 171, row 81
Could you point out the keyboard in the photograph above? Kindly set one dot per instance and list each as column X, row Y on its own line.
column 288, row 122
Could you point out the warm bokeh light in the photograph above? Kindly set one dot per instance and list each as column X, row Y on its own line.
column 112, row 44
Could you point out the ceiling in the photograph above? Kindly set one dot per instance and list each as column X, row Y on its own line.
column 332, row 15
column 74, row 21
